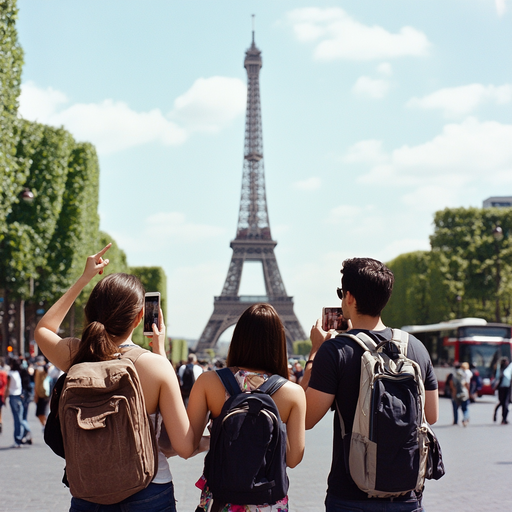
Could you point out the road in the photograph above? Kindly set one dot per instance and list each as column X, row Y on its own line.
column 478, row 462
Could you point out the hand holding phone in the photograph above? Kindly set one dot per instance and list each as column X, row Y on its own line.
column 333, row 319
column 151, row 312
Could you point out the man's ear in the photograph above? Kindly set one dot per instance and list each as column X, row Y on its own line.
column 349, row 298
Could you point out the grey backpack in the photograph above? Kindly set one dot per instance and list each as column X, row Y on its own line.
column 389, row 443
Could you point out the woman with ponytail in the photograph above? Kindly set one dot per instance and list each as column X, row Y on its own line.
column 113, row 311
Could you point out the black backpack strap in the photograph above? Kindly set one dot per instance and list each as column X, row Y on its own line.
column 228, row 380
column 272, row 384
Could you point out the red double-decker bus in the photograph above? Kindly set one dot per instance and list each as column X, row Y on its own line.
column 471, row 340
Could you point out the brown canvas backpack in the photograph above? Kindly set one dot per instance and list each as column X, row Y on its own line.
column 109, row 442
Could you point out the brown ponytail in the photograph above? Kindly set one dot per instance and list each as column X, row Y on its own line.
column 110, row 313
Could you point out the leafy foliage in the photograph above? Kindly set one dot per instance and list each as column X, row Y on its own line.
column 11, row 61
column 302, row 348
column 459, row 276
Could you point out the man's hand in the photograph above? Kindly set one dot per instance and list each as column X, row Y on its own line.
column 318, row 336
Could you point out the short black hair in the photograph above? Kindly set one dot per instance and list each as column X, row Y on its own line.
column 370, row 282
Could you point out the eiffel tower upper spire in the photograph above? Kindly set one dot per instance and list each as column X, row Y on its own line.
column 253, row 215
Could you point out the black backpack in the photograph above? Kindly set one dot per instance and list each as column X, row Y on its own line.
column 187, row 380
column 246, row 464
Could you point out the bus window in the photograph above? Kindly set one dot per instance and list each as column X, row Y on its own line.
column 484, row 356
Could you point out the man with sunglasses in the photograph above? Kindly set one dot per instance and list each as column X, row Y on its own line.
column 333, row 372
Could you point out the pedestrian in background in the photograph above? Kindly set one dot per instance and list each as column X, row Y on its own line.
column 42, row 389
column 14, row 391
column 459, row 386
column 3, row 387
column 503, row 387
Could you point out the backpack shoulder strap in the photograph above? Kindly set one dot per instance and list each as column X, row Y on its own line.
column 401, row 340
column 134, row 353
column 363, row 340
column 272, row 384
column 228, row 380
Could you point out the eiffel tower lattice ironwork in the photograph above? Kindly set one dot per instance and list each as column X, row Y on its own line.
column 253, row 240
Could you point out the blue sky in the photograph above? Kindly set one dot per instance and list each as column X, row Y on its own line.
column 375, row 115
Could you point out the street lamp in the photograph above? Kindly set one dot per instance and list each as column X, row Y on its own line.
column 497, row 233
column 27, row 195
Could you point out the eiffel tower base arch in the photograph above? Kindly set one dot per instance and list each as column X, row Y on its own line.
column 227, row 311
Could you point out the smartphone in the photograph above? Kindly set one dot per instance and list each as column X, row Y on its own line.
column 151, row 311
column 332, row 318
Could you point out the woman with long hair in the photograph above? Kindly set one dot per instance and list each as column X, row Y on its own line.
column 113, row 310
column 257, row 351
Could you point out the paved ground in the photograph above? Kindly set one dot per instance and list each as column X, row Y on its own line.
column 478, row 461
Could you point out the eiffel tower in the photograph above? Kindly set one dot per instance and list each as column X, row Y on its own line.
column 253, row 240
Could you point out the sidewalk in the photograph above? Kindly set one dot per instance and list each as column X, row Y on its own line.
column 478, row 462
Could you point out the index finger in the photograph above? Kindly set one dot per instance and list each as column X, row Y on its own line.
column 104, row 250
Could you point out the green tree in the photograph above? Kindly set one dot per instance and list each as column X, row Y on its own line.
column 11, row 61
column 302, row 348
column 476, row 266
column 459, row 277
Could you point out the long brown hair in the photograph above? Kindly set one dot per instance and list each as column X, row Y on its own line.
column 259, row 341
column 110, row 312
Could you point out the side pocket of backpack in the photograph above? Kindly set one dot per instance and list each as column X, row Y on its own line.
column 363, row 461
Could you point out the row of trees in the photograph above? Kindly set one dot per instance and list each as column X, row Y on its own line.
column 49, row 222
column 467, row 273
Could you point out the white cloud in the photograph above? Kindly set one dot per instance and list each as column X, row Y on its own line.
column 39, row 104
column 501, row 7
column 366, row 151
column 462, row 155
column 339, row 36
column 209, row 105
column 385, row 69
column 371, row 88
column 313, row 183
column 462, row 100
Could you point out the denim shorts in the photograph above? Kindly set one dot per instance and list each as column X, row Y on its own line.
column 333, row 504
column 154, row 498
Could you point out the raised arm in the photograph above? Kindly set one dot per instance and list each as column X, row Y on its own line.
column 57, row 350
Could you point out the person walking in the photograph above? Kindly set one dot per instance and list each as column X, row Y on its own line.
column 114, row 309
column 3, row 387
column 459, row 386
column 503, row 386
column 14, row 391
column 257, row 351
column 188, row 374
column 41, row 390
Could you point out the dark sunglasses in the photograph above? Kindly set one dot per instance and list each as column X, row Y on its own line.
column 339, row 291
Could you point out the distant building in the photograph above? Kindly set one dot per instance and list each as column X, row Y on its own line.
column 498, row 202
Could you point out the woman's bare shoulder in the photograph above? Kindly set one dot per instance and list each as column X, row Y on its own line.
column 292, row 391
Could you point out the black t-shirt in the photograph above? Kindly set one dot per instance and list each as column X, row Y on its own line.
column 336, row 371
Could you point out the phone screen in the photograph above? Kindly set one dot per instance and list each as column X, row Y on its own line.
column 151, row 310
column 332, row 318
